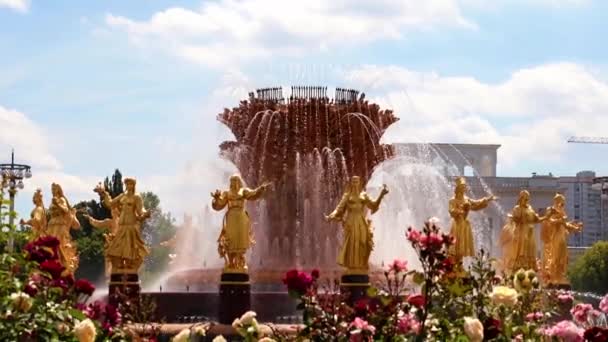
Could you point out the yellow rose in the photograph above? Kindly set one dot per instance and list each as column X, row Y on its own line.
column 248, row 318
column 183, row 336
column 200, row 330
column 504, row 295
column 473, row 329
column 85, row 331
column 21, row 301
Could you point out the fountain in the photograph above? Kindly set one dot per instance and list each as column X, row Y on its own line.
column 308, row 145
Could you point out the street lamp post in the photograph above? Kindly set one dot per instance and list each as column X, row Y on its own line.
column 12, row 179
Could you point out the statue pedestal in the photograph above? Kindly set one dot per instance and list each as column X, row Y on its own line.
column 235, row 296
column 355, row 286
column 122, row 286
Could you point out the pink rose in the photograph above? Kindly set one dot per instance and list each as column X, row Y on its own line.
column 398, row 266
column 413, row 235
column 435, row 240
column 362, row 325
column 581, row 312
column 534, row 316
column 566, row 330
column 604, row 304
column 408, row 324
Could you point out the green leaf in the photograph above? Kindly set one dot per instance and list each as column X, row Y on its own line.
column 418, row 278
column 372, row 292
column 79, row 315
column 461, row 338
column 457, row 289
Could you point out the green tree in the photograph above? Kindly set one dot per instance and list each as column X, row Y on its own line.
column 158, row 228
column 590, row 272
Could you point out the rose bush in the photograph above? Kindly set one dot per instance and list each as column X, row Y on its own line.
column 445, row 302
column 39, row 302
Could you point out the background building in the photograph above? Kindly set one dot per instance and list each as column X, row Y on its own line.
column 583, row 193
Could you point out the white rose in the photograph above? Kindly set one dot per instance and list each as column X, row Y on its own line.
column 183, row 336
column 504, row 295
column 248, row 318
column 21, row 301
column 85, row 331
column 473, row 329
column 219, row 338
column 266, row 339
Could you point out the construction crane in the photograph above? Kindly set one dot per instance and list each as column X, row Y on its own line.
column 588, row 140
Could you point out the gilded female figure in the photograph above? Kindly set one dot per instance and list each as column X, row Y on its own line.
column 62, row 220
column 554, row 234
column 519, row 241
column 126, row 249
column 236, row 235
column 358, row 236
column 459, row 207
column 38, row 219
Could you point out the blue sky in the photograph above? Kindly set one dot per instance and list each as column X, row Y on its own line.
column 91, row 86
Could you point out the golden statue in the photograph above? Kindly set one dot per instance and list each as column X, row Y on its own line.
column 236, row 235
column 554, row 234
column 358, row 235
column 518, row 240
column 460, row 206
column 111, row 227
column 38, row 219
column 126, row 250
column 62, row 220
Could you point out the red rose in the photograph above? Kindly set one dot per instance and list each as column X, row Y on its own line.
column 361, row 306
column 112, row 315
column 31, row 289
column 492, row 327
column 596, row 334
column 52, row 267
column 297, row 282
column 315, row 274
column 40, row 254
column 448, row 264
column 416, row 300
column 84, row 286
column 47, row 241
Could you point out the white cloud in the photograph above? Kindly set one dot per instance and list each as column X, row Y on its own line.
column 31, row 144
column 494, row 4
column 27, row 138
column 531, row 114
column 229, row 32
column 222, row 33
column 17, row 5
